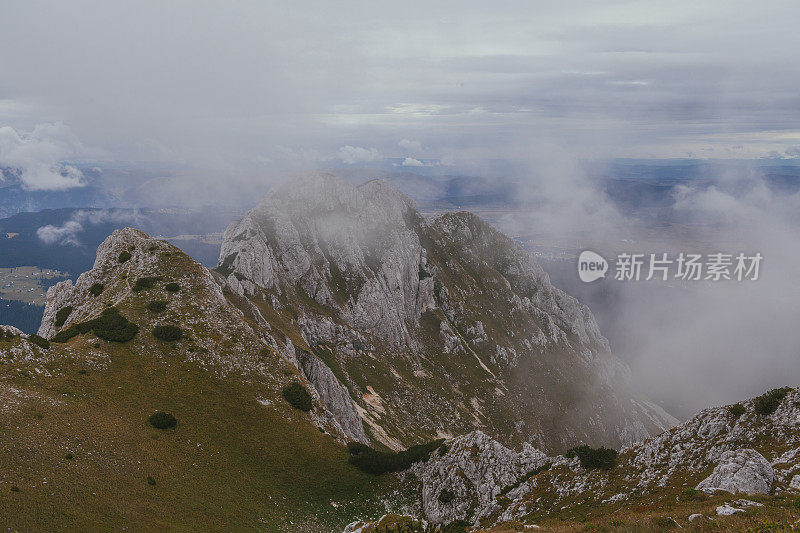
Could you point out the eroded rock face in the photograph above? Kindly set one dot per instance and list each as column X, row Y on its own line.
column 450, row 323
column 475, row 468
column 107, row 268
column 347, row 248
column 740, row 471
column 334, row 395
column 471, row 473
column 202, row 291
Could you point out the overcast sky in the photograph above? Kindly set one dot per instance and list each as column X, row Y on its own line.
column 229, row 85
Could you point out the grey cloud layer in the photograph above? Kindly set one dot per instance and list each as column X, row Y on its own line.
column 224, row 83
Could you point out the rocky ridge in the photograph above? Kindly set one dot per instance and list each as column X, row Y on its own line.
column 203, row 304
column 434, row 327
column 716, row 451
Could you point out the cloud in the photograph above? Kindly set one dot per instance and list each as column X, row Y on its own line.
column 413, row 146
column 689, row 344
column 312, row 76
column 356, row 154
column 793, row 151
column 39, row 156
column 67, row 233
column 411, row 162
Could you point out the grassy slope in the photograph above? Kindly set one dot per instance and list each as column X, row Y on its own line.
column 231, row 463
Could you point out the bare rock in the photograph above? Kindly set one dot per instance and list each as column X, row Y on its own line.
column 740, row 471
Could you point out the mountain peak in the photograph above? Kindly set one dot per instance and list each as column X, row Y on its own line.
column 448, row 304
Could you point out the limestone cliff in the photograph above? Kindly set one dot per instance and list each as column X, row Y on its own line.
column 436, row 326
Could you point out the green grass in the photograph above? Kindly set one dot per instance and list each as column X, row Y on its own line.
column 230, row 464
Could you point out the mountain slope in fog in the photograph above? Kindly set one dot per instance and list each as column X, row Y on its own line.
column 436, row 327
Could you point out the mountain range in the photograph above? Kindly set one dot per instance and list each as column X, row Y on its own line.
column 342, row 337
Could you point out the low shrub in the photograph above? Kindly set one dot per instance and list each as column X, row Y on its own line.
column 14, row 488
column 69, row 456
column 374, row 462
column 692, row 495
column 124, row 256
column 736, row 410
column 446, row 496
column 151, row 481
column 110, row 326
column 168, row 333
column 297, row 396
column 797, row 503
column 62, row 315
column 768, row 403
column 591, row 458
column 96, row 289
column 157, row 306
column 145, row 283
column 162, row 420
column 172, row 287
column 41, row 342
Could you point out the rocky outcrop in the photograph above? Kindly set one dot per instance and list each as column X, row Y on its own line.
column 129, row 254
column 462, row 482
column 347, row 248
column 477, row 479
column 334, row 395
column 106, row 270
column 740, row 471
column 450, row 323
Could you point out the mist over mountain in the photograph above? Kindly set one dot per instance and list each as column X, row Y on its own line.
column 316, row 266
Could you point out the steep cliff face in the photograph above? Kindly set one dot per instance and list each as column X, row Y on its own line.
column 435, row 327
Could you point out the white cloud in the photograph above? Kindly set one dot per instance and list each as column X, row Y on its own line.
column 411, row 162
column 39, row 156
column 414, row 146
column 356, row 154
column 67, row 233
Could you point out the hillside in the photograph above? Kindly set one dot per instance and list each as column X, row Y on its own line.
column 78, row 453
column 436, row 327
column 150, row 330
column 731, row 468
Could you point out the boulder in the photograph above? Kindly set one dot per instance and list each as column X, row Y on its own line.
column 727, row 510
column 740, row 471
